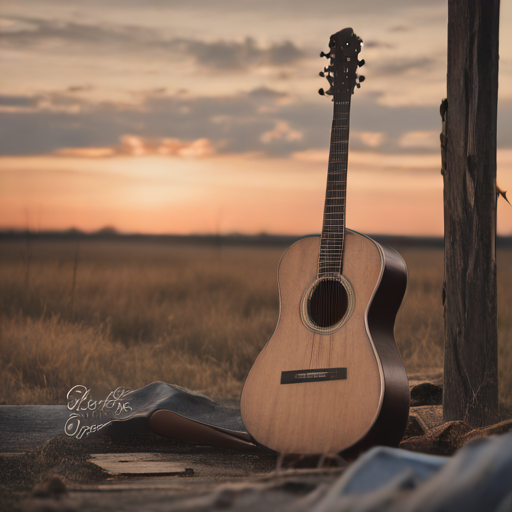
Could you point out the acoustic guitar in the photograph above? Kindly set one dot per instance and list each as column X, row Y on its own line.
column 330, row 379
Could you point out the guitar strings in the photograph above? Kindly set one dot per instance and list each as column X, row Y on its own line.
column 332, row 300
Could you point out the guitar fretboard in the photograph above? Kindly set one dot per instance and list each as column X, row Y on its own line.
column 333, row 230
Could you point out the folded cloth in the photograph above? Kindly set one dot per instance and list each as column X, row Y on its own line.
column 477, row 478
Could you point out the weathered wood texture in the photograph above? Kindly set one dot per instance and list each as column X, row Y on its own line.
column 470, row 309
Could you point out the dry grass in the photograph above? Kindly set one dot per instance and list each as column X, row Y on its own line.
column 111, row 313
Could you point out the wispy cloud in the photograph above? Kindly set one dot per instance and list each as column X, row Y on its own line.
column 421, row 139
column 281, row 131
column 132, row 145
column 225, row 55
column 399, row 66
column 370, row 139
column 261, row 121
column 15, row 101
column 215, row 55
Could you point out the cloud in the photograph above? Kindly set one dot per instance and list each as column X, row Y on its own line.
column 265, row 92
column 62, row 121
column 282, row 131
column 399, row 28
column 302, row 9
column 370, row 139
column 377, row 44
column 239, row 55
column 219, row 55
column 393, row 67
column 421, row 139
column 132, row 145
column 257, row 121
column 79, row 88
column 17, row 101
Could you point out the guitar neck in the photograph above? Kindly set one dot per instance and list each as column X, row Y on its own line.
column 333, row 230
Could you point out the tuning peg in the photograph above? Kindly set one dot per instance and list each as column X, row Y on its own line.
column 361, row 78
column 321, row 92
column 329, row 69
column 321, row 73
column 361, row 63
column 327, row 55
column 358, row 86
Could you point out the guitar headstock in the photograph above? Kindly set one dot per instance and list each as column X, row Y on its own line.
column 343, row 55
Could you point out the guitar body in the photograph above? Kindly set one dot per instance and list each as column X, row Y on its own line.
column 333, row 388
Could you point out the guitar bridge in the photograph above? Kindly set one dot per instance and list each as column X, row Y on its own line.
column 313, row 375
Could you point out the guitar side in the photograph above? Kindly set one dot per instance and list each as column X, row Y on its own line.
column 370, row 404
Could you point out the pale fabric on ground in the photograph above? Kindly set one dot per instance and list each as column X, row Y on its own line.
column 478, row 478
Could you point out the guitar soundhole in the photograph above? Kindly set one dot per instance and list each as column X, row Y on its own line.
column 328, row 303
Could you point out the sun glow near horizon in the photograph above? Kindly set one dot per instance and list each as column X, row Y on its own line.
column 400, row 194
column 188, row 188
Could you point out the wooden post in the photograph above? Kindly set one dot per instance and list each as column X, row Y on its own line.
column 469, row 168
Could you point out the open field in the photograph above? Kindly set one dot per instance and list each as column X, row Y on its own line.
column 116, row 312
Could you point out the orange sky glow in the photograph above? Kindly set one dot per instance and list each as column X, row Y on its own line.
column 203, row 117
column 155, row 193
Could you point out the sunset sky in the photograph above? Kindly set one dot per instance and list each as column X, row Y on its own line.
column 201, row 116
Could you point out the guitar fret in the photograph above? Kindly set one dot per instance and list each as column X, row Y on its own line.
column 333, row 229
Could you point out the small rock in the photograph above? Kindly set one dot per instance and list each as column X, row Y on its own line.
column 426, row 393
column 442, row 440
column 50, row 487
